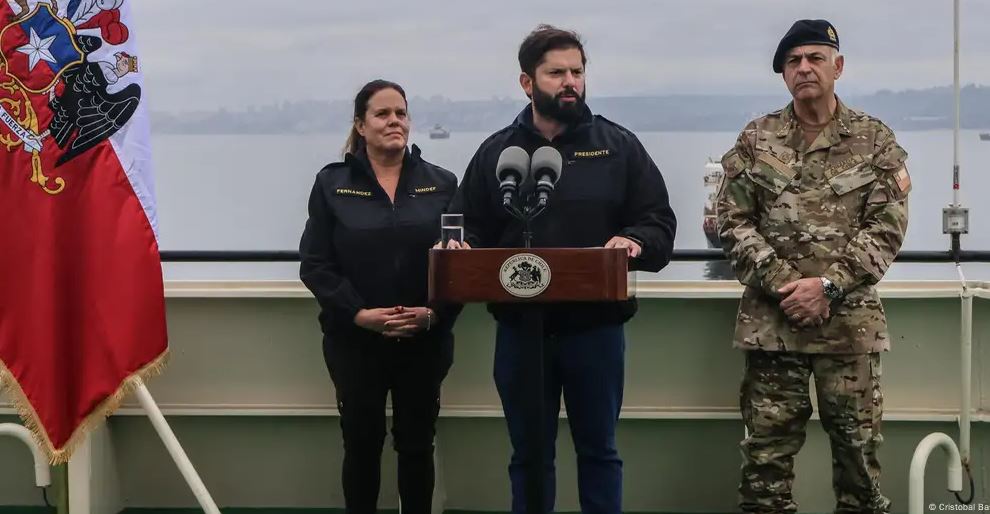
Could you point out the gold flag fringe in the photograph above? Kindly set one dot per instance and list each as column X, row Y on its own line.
column 30, row 418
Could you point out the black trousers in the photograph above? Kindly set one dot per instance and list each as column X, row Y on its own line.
column 364, row 369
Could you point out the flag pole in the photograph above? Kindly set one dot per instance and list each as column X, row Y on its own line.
column 175, row 450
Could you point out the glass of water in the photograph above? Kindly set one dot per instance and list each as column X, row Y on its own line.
column 451, row 228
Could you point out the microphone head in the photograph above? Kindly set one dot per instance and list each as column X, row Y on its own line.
column 547, row 164
column 512, row 162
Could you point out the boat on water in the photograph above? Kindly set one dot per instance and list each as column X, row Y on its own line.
column 713, row 177
column 438, row 132
column 984, row 136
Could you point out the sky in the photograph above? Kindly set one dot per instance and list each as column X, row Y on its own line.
column 203, row 54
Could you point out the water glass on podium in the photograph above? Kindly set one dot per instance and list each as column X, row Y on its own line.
column 451, row 228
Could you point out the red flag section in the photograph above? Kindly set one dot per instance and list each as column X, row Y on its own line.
column 82, row 317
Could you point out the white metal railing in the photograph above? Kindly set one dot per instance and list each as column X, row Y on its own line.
column 42, row 473
column 959, row 456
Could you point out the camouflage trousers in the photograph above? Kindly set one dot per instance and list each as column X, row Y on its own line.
column 776, row 405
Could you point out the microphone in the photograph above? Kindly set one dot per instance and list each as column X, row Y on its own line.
column 546, row 168
column 511, row 171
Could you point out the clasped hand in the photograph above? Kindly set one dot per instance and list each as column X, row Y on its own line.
column 396, row 321
column 804, row 302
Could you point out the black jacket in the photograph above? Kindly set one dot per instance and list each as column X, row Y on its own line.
column 361, row 251
column 609, row 186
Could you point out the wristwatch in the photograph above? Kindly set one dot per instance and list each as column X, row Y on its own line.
column 832, row 291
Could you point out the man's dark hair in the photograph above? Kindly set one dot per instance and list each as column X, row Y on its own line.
column 543, row 39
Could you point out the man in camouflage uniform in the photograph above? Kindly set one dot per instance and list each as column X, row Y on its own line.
column 811, row 212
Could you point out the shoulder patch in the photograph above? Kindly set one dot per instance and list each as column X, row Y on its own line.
column 733, row 164
column 902, row 179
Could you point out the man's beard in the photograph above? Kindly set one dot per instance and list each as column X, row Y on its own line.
column 551, row 107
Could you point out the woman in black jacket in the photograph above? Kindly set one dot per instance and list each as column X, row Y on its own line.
column 372, row 220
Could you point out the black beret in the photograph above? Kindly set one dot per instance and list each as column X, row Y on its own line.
column 805, row 32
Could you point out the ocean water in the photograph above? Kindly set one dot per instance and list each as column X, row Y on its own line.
column 249, row 192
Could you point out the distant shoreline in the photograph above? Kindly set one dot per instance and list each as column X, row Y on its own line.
column 928, row 109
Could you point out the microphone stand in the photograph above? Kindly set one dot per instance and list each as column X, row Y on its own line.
column 526, row 215
column 531, row 375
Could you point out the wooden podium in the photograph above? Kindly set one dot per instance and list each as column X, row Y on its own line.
column 530, row 275
column 576, row 275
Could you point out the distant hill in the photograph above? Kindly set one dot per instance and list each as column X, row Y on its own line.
column 903, row 110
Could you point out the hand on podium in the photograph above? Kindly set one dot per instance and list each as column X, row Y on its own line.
column 633, row 249
column 453, row 245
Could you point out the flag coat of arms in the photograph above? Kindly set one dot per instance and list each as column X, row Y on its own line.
column 82, row 314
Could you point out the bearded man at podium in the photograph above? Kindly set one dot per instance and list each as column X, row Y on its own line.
column 610, row 193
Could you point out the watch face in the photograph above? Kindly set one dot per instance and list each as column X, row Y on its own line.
column 831, row 290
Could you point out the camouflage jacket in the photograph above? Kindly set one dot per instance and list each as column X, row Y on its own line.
column 836, row 208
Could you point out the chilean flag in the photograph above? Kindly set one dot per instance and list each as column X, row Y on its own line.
column 82, row 311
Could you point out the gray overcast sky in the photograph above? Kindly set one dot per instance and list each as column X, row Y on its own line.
column 200, row 54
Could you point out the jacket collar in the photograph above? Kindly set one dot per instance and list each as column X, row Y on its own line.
column 359, row 159
column 524, row 121
column 832, row 133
